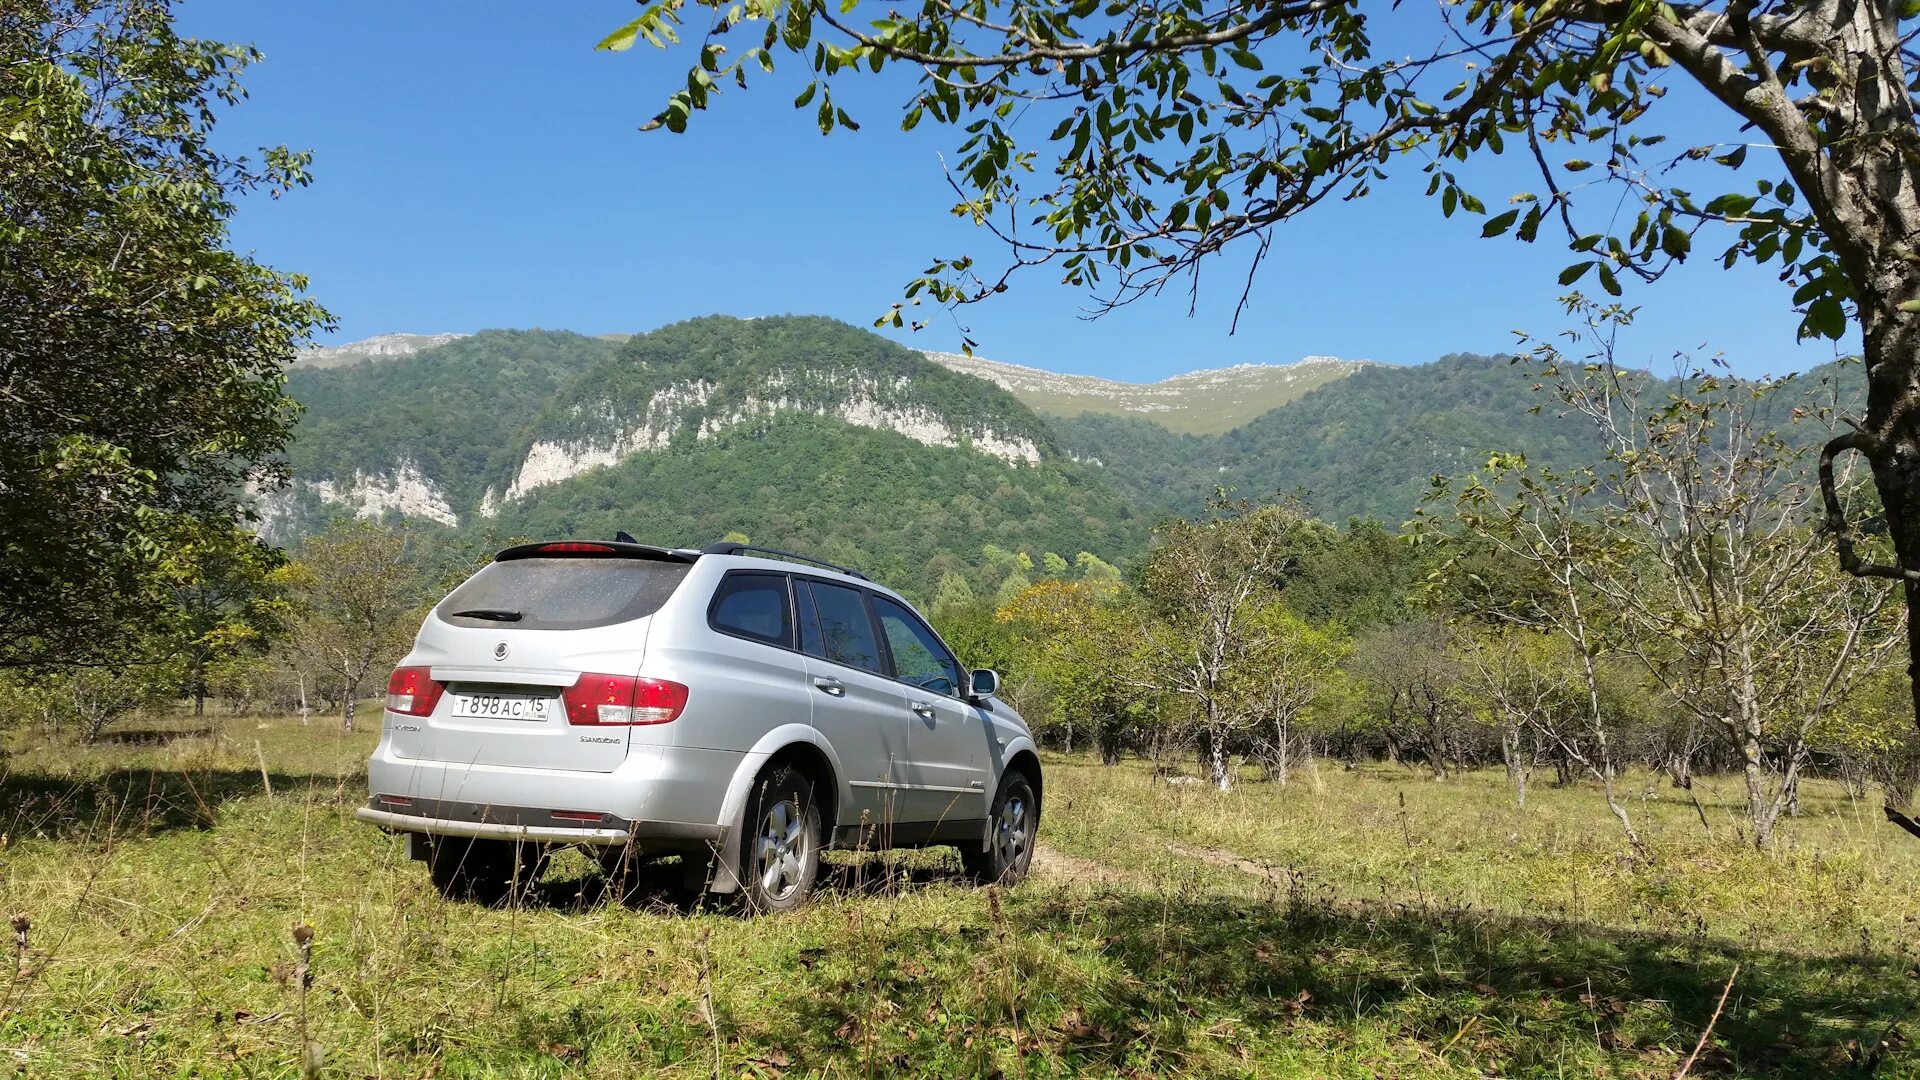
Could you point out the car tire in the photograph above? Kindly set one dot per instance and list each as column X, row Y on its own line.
column 1012, row 825
column 491, row 872
column 779, row 843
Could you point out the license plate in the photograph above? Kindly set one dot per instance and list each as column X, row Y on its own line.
column 502, row 706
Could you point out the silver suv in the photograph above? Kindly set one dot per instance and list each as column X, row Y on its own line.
column 741, row 707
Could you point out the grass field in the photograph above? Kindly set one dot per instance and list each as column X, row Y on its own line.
column 1356, row 922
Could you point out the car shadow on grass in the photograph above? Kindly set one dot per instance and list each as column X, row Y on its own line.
column 1116, row 982
column 661, row 885
column 138, row 801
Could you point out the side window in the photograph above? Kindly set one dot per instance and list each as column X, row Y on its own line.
column 753, row 606
column 845, row 630
column 918, row 657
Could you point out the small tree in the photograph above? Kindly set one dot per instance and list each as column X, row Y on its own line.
column 1295, row 666
column 1206, row 582
column 227, row 606
column 1523, row 682
column 357, row 599
column 1084, row 641
column 1539, row 521
column 1411, row 672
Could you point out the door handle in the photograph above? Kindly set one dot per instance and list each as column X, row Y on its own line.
column 830, row 686
column 925, row 710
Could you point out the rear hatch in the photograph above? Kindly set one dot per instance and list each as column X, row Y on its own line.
column 509, row 648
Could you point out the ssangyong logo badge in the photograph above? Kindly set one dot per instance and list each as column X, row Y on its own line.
column 500, row 651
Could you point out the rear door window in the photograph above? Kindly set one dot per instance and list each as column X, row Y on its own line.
column 562, row 593
column 753, row 606
column 842, row 628
column 918, row 657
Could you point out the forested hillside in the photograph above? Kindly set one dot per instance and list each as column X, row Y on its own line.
column 1365, row 446
column 902, row 511
column 797, row 431
column 451, row 410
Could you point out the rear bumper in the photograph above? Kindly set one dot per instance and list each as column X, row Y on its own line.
column 666, row 793
column 606, row 835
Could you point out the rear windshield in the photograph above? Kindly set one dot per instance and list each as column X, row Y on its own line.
column 562, row 594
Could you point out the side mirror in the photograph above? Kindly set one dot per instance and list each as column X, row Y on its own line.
column 983, row 683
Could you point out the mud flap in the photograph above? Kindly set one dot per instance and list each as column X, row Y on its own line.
column 722, row 873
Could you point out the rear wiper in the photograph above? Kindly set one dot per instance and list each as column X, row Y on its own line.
column 495, row 614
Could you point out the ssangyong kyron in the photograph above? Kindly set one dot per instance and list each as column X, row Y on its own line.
column 740, row 707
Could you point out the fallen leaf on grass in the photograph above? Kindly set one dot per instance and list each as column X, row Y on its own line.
column 139, row 1029
column 1076, row 1028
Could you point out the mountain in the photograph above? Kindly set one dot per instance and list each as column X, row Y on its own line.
column 801, row 432
column 420, row 434
column 1197, row 402
column 806, row 433
column 1370, row 444
column 1366, row 446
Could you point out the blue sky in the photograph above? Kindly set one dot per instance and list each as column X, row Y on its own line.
column 479, row 165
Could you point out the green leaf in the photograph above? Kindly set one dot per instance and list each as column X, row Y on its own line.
column 805, row 95
column 1530, row 228
column 622, row 39
column 1825, row 318
column 1574, row 273
column 1500, row 223
column 1608, row 281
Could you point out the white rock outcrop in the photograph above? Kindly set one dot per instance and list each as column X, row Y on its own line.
column 379, row 347
column 371, row 495
column 551, row 461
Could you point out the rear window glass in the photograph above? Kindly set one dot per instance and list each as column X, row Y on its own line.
column 753, row 606
column 562, row 594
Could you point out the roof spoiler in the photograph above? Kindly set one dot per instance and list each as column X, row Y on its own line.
column 593, row 549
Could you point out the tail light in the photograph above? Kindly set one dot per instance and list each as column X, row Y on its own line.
column 411, row 691
column 623, row 699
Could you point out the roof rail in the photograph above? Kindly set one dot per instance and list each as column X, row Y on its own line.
column 730, row 547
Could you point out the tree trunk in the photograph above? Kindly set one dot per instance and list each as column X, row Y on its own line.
column 1217, row 763
column 1760, row 812
column 1680, row 769
column 1890, row 345
column 352, row 694
column 1512, row 754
